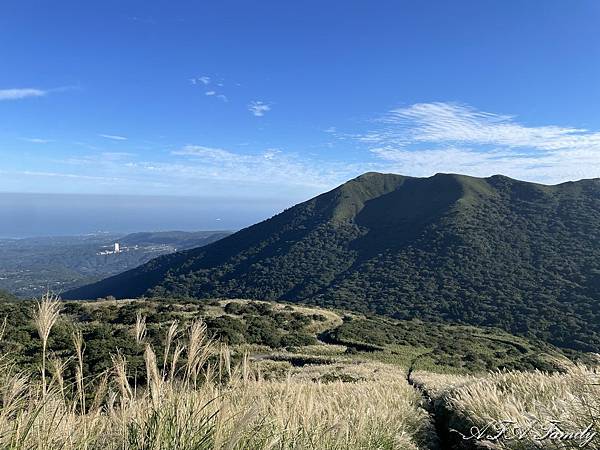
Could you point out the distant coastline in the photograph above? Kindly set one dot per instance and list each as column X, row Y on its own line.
column 25, row 215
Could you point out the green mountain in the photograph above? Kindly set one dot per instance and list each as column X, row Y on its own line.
column 178, row 239
column 483, row 251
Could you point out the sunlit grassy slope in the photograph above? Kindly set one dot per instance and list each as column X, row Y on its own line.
column 195, row 393
column 240, row 374
column 287, row 333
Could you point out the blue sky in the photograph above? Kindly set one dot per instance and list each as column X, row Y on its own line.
column 278, row 101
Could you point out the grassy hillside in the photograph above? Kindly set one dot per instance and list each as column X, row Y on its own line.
column 494, row 252
column 194, row 392
column 153, row 374
column 280, row 336
column 4, row 296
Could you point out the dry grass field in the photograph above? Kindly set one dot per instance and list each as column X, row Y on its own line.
column 197, row 393
column 195, row 397
column 526, row 410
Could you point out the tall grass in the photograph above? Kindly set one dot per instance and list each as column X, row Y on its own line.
column 45, row 318
column 195, row 397
column 528, row 400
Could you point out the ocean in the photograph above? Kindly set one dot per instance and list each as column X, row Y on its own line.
column 29, row 215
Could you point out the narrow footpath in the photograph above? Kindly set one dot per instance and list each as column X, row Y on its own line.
column 439, row 416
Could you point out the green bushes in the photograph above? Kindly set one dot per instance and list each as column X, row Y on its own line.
column 463, row 348
column 106, row 328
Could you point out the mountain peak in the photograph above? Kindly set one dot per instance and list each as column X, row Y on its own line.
column 449, row 247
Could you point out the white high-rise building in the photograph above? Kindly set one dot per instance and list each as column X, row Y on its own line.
column 117, row 247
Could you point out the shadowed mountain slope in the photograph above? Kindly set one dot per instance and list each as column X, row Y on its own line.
column 484, row 251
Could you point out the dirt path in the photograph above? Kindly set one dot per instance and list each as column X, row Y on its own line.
column 442, row 431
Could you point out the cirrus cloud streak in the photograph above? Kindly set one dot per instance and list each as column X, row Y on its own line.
column 426, row 138
column 17, row 94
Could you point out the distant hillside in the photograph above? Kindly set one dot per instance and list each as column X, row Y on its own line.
column 5, row 296
column 484, row 251
column 180, row 240
column 30, row 266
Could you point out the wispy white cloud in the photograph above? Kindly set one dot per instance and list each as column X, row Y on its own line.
column 258, row 108
column 64, row 175
column 197, row 169
column 21, row 93
column 17, row 94
column 271, row 153
column 448, row 122
column 113, row 137
column 271, row 166
column 36, row 140
column 201, row 80
column 545, row 168
column 206, row 152
column 108, row 161
column 212, row 91
column 216, row 95
column 426, row 138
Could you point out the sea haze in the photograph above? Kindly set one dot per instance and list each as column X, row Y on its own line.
column 27, row 215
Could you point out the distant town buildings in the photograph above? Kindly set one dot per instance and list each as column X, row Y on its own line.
column 117, row 248
column 114, row 250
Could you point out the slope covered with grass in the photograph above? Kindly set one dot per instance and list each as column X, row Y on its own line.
column 195, row 393
column 280, row 337
column 162, row 379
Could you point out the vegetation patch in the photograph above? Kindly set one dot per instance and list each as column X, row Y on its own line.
column 194, row 393
column 454, row 348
